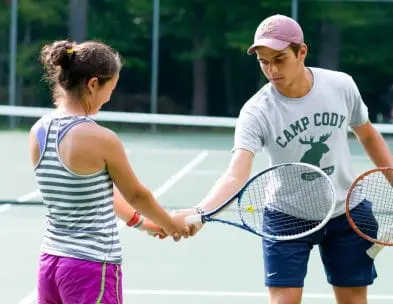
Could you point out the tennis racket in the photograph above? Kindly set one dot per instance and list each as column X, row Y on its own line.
column 284, row 202
column 369, row 208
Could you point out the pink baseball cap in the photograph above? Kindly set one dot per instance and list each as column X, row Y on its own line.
column 277, row 32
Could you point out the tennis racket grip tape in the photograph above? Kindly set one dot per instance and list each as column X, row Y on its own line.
column 193, row 219
column 373, row 251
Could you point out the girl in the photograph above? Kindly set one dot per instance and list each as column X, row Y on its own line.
column 85, row 180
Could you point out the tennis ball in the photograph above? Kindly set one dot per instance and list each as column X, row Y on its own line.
column 250, row 209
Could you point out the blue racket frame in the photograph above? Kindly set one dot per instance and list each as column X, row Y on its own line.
column 208, row 216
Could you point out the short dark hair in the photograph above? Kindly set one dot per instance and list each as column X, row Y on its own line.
column 69, row 65
column 295, row 48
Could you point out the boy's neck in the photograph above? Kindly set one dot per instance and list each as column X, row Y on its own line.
column 301, row 86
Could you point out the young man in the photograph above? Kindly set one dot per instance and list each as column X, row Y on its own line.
column 303, row 114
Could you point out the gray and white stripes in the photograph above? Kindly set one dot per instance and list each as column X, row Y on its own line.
column 80, row 221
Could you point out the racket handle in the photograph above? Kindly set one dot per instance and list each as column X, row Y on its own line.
column 373, row 251
column 193, row 219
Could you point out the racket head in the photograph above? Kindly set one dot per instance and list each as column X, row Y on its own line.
column 299, row 198
column 374, row 189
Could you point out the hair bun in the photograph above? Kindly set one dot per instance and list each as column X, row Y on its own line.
column 69, row 66
column 61, row 53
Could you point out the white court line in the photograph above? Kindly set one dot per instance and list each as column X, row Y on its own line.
column 23, row 198
column 30, row 298
column 29, row 196
column 5, row 207
column 207, row 293
column 180, row 174
column 174, row 151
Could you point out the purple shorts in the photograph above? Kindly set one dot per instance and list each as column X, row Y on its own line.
column 64, row 280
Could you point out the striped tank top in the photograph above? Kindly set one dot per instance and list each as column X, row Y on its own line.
column 80, row 220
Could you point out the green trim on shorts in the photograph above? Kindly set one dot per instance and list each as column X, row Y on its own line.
column 102, row 284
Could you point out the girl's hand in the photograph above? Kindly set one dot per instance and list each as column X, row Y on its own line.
column 152, row 229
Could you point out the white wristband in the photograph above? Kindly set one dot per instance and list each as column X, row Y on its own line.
column 199, row 210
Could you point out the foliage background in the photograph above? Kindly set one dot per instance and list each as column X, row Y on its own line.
column 203, row 65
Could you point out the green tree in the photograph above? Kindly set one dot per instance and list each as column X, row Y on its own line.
column 203, row 63
column 36, row 27
column 213, row 29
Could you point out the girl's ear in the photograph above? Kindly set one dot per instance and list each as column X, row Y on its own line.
column 92, row 85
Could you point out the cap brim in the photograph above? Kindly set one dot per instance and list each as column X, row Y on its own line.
column 274, row 44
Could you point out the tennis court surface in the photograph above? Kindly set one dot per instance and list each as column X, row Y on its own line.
column 220, row 265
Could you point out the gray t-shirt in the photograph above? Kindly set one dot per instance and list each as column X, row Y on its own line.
column 312, row 129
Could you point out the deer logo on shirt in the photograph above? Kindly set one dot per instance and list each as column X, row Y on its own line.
column 314, row 154
column 318, row 148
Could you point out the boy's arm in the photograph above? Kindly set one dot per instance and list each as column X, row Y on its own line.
column 227, row 185
column 374, row 144
column 231, row 181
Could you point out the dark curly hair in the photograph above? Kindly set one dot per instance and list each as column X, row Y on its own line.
column 69, row 65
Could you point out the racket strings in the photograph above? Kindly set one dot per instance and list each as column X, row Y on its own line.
column 372, row 205
column 286, row 201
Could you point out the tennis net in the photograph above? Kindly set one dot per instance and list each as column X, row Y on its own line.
column 12, row 112
column 139, row 131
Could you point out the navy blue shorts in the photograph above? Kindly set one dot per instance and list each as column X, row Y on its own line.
column 342, row 251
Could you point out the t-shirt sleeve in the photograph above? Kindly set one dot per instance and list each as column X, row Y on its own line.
column 358, row 109
column 248, row 132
